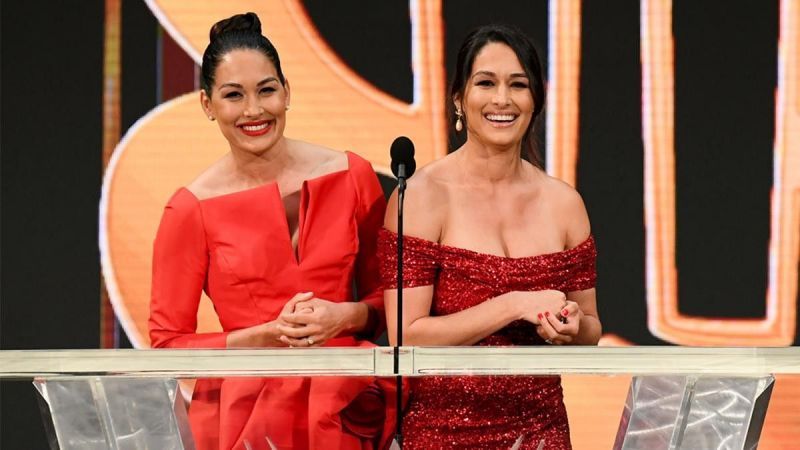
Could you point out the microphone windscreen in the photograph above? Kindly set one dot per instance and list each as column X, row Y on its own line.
column 402, row 152
column 402, row 149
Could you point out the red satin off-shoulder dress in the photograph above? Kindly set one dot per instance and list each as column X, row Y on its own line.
column 236, row 247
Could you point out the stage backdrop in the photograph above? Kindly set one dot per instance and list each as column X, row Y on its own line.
column 678, row 121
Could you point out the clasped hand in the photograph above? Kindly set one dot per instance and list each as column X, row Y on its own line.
column 308, row 321
column 557, row 319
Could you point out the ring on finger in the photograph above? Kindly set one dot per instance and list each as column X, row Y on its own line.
column 549, row 341
column 309, row 341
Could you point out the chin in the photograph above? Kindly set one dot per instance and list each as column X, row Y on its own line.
column 504, row 143
column 259, row 146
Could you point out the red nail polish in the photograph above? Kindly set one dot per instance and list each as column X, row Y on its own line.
column 547, row 314
column 565, row 313
column 540, row 316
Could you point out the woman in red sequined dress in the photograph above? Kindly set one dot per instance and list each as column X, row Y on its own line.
column 496, row 253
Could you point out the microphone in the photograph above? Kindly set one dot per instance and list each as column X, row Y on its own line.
column 402, row 153
column 403, row 166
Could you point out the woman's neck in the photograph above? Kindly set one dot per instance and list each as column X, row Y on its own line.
column 263, row 167
column 491, row 164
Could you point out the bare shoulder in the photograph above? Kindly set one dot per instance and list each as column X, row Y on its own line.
column 321, row 159
column 212, row 181
column 425, row 203
column 562, row 193
column 569, row 208
column 430, row 179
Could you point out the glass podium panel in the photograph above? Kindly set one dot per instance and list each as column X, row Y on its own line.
column 677, row 397
column 687, row 412
column 119, row 413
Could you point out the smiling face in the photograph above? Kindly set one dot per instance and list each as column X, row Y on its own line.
column 498, row 103
column 248, row 101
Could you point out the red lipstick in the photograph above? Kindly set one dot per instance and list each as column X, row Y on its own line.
column 257, row 128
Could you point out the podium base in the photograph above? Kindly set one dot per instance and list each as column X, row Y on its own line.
column 690, row 412
column 118, row 413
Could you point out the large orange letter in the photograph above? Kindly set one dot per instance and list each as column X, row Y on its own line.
column 664, row 318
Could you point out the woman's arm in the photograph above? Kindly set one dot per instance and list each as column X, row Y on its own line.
column 590, row 327
column 180, row 267
column 581, row 324
column 465, row 327
column 180, row 264
column 369, row 318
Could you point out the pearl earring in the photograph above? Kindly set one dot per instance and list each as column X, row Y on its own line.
column 459, row 124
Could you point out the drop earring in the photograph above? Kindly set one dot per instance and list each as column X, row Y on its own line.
column 459, row 124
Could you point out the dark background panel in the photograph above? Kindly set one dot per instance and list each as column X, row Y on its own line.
column 51, row 167
column 724, row 126
column 610, row 174
column 139, row 87
column 51, row 171
column 381, row 30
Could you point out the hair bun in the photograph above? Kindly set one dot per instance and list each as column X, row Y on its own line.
column 247, row 22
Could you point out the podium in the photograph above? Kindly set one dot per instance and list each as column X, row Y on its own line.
column 688, row 412
column 119, row 413
column 679, row 398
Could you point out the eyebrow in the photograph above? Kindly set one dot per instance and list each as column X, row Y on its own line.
column 239, row 86
column 492, row 74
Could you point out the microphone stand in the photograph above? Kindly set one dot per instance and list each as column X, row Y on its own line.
column 401, row 190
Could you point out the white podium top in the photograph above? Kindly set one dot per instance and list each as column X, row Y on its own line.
column 414, row 361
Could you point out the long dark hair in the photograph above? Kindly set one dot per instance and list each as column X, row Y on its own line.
column 528, row 58
column 242, row 31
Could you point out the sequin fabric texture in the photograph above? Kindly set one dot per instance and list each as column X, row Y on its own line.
column 488, row 412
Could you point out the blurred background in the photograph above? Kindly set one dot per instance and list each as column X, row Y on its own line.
column 678, row 121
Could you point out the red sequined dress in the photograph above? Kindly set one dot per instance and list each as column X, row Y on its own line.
column 488, row 412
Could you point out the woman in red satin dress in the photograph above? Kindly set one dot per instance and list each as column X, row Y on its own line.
column 496, row 253
column 277, row 233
